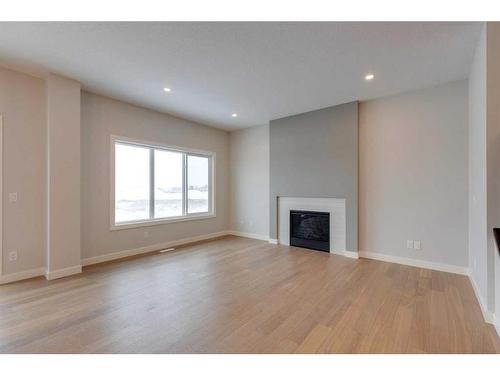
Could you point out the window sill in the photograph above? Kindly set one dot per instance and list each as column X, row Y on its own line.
column 150, row 223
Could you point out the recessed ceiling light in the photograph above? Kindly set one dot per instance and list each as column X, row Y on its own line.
column 234, row 115
column 369, row 77
column 167, row 89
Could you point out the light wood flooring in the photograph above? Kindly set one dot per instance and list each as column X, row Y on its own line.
column 236, row 295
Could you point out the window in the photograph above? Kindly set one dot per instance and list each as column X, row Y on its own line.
column 197, row 181
column 131, row 183
column 168, row 184
column 155, row 184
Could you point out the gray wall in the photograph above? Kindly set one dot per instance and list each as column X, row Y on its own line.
column 22, row 105
column 315, row 154
column 493, row 161
column 477, row 171
column 249, row 180
column 101, row 117
column 413, row 168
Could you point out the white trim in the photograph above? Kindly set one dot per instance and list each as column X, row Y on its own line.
column 350, row 254
column 415, row 262
column 255, row 236
column 112, row 181
column 63, row 272
column 156, row 145
column 488, row 316
column 497, row 327
column 346, row 253
column 23, row 275
column 150, row 248
column 273, row 241
column 48, row 184
column 166, row 146
column 1, row 196
column 150, row 223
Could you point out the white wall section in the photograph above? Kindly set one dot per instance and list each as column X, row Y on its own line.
column 477, row 239
column 249, row 181
column 63, row 195
column 413, row 174
column 23, row 108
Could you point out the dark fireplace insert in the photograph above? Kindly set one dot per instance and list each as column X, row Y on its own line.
column 310, row 229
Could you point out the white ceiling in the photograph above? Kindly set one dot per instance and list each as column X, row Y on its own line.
column 262, row 71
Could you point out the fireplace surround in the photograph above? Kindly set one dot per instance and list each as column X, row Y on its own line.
column 336, row 207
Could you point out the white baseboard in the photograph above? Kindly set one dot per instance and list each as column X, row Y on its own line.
column 28, row 274
column 255, row 236
column 347, row 254
column 150, row 248
column 415, row 262
column 63, row 272
column 350, row 254
column 273, row 241
column 488, row 316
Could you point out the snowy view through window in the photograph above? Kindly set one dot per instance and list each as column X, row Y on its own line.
column 168, row 184
column 131, row 183
column 197, row 179
column 132, row 190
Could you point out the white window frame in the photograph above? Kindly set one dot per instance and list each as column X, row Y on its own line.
column 114, row 139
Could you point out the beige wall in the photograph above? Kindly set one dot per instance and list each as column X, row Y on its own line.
column 249, row 180
column 101, row 117
column 413, row 174
column 22, row 105
column 63, row 160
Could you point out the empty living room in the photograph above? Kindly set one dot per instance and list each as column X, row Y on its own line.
column 249, row 186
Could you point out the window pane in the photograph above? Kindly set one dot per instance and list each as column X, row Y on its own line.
column 168, row 184
column 197, row 180
column 131, row 183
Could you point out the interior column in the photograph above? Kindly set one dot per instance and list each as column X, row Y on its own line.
column 63, row 181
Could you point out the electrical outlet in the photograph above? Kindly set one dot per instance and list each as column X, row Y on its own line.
column 12, row 197
column 12, row 256
column 409, row 244
column 416, row 245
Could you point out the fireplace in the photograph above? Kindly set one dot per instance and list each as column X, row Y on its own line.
column 310, row 229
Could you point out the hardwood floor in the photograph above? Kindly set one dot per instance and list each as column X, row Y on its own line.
column 236, row 295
